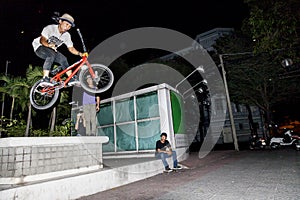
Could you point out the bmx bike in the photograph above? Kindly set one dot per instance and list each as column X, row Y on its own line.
column 43, row 96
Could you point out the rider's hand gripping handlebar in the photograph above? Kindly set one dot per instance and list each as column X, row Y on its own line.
column 85, row 54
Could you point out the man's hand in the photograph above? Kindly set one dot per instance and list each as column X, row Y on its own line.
column 83, row 54
column 52, row 46
column 169, row 151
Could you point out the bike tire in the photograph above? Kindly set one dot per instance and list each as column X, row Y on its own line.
column 103, row 80
column 43, row 100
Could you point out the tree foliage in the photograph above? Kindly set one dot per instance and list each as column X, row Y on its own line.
column 273, row 24
column 252, row 57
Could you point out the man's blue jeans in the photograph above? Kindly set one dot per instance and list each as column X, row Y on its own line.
column 164, row 156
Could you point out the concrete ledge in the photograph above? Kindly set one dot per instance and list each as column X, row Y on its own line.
column 47, row 176
column 75, row 181
column 42, row 141
column 28, row 159
column 86, row 184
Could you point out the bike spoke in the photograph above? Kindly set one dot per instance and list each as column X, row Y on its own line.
column 103, row 78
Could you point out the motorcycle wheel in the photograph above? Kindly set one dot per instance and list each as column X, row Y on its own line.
column 275, row 145
column 262, row 147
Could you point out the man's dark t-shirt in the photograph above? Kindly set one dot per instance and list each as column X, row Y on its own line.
column 162, row 146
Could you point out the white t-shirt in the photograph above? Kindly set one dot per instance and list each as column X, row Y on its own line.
column 52, row 34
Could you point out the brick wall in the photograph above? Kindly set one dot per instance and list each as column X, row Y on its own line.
column 21, row 157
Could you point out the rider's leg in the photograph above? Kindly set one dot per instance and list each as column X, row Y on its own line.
column 46, row 73
column 49, row 56
column 62, row 60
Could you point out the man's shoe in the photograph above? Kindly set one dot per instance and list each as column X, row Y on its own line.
column 46, row 81
column 168, row 169
column 73, row 81
column 177, row 167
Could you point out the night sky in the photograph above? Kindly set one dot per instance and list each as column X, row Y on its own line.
column 21, row 21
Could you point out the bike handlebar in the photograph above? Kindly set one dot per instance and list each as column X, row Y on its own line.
column 82, row 41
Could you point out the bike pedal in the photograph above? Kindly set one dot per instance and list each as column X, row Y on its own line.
column 46, row 84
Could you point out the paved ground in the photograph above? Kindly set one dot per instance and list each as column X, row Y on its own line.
column 221, row 175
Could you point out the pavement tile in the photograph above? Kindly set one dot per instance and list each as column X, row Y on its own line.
column 221, row 175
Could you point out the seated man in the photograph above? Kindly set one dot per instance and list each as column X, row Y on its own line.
column 164, row 150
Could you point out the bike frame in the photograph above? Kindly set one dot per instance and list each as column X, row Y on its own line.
column 43, row 96
column 75, row 68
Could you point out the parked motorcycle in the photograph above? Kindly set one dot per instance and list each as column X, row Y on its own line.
column 256, row 142
column 288, row 139
column 297, row 145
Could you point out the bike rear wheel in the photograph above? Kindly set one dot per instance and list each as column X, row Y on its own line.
column 103, row 80
column 43, row 97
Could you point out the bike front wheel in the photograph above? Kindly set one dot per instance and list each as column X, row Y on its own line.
column 102, row 81
column 43, row 97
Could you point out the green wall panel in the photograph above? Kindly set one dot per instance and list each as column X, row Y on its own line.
column 177, row 113
column 109, row 132
column 147, row 105
column 124, row 110
column 105, row 115
column 149, row 133
column 126, row 137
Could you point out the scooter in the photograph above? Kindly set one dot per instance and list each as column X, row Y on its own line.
column 288, row 139
column 297, row 145
column 256, row 142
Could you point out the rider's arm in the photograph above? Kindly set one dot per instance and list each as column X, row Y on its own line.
column 75, row 51
column 45, row 43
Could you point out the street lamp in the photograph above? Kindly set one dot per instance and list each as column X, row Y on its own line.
column 199, row 69
column 204, row 81
column 291, row 69
column 287, row 62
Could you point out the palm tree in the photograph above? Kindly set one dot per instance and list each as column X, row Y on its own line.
column 62, row 108
column 18, row 89
column 33, row 74
column 12, row 89
column 4, row 90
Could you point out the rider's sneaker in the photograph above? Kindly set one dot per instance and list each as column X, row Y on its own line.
column 73, row 81
column 46, row 81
